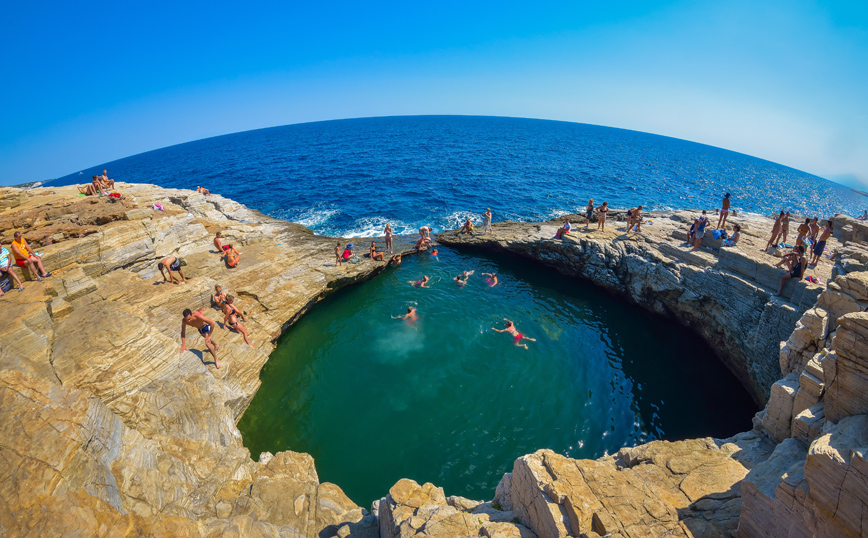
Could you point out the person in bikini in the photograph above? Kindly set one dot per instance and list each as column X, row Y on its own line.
column 91, row 189
column 461, row 279
column 388, row 233
column 785, row 227
column 589, row 212
column 419, row 283
column 776, row 231
column 230, row 318
column 232, row 256
column 517, row 337
column 198, row 321
column 491, row 280
column 724, row 212
column 172, row 263
column 803, row 231
column 602, row 211
column 25, row 257
column 376, row 255
column 634, row 218
column 797, row 264
column 820, row 245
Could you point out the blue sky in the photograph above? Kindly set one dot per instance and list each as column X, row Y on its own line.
column 86, row 83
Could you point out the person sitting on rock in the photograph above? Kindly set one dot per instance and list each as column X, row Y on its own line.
column 6, row 267
column 91, row 189
column 219, row 244
column 467, row 228
column 203, row 191
column 232, row 256
column 797, row 264
column 219, row 296
column 25, row 257
column 736, row 235
column 376, row 255
column 565, row 229
column 198, row 321
column 172, row 263
column 105, row 181
column 230, row 318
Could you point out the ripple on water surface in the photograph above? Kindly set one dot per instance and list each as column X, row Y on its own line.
column 448, row 400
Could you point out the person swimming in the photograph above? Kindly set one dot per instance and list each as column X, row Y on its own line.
column 461, row 279
column 492, row 279
column 410, row 316
column 419, row 283
column 517, row 337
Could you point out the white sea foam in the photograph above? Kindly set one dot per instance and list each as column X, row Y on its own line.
column 373, row 227
column 456, row 219
column 314, row 216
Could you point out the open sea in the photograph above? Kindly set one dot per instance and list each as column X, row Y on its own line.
column 351, row 177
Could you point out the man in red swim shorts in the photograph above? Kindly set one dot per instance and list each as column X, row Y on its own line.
column 517, row 337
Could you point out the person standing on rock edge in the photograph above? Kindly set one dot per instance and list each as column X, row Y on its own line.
column 589, row 212
column 724, row 212
column 198, row 321
column 776, row 231
column 700, row 230
column 820, row 246
column 785, row 226
column 387, row 232
column 517, row 337
column 170, row 264
column 486, row 221
column 601, row 216
column 338, row 257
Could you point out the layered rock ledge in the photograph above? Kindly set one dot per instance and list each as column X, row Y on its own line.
column 107, row 430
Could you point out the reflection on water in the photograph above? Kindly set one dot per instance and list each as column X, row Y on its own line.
column 445, row 399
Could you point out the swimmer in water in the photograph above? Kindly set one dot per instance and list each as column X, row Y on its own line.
column 419, row 283
column 435, row 252
column 516, row 336
column 396, row 259
column 461, row 279
column 492, row 279
column 410, row 316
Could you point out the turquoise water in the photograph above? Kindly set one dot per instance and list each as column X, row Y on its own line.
column 447, row 400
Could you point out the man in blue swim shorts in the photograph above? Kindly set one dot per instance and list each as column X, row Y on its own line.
column 198, row 321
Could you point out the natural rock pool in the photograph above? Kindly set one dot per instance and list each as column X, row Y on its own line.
column 447, row 400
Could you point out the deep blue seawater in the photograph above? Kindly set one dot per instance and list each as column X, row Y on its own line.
column 350, row 177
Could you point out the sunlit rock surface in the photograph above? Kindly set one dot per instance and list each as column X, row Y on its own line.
column 107, row 430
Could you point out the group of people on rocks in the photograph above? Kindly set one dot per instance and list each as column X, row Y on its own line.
column 98, row 185
column 24, row 257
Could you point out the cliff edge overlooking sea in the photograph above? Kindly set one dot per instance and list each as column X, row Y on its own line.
column 107, row 430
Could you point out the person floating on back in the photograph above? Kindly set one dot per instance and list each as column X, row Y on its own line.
column 517, row 337
column 565, row 229
column 25, row 257
column 724, row 212
column 198, row 321
column 230, row 318
column 172, row 263
column 796, row 262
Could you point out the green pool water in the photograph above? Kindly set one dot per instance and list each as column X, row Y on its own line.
column 447, row 400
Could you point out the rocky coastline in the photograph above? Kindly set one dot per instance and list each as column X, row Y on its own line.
column 107, row 430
